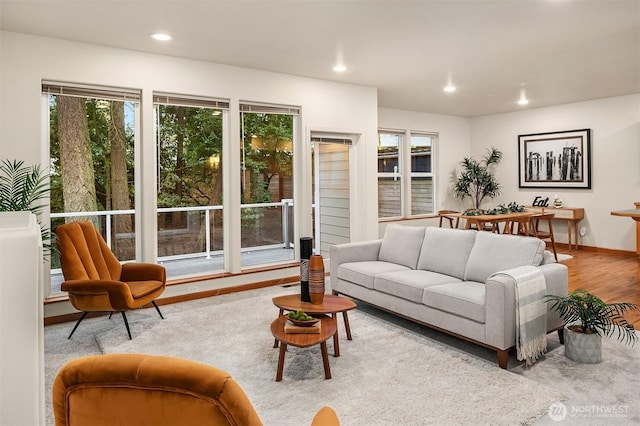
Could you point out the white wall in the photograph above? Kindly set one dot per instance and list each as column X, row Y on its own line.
column 22, row 349
column 615, row 162
column 454, row 139
column 26, row 60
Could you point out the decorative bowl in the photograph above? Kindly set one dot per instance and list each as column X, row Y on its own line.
column 307, row 323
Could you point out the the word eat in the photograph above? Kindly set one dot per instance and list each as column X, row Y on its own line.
column 540, row 202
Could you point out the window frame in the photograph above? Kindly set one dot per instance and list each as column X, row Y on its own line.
column 221, row 105
column 412, row 174
column 396, row 175
column 406, row 174
column 98, row 92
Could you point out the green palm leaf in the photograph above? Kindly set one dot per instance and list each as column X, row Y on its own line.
column 594, row 315
column 23, row 188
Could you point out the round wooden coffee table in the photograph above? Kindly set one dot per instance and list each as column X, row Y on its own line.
column 331, row 305
column 303, row 340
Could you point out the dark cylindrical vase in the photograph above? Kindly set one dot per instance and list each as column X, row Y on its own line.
column 305, row 253
column 316, row 279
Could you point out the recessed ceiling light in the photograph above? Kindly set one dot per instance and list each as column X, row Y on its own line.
column 523, row 101
column 161, row 36
column 450, row 88
column 340, row 68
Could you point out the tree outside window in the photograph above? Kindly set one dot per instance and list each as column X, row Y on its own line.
column 92, row 164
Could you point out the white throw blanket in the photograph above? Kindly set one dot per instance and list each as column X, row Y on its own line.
column 531, row 312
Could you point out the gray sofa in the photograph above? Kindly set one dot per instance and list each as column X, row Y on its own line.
column 440, row 277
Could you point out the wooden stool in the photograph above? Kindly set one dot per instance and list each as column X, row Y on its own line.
column 303, row 340
column 443, row 215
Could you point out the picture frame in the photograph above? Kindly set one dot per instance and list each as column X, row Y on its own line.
column 555, row 159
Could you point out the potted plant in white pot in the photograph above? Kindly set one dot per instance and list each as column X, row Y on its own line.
column 587, row 319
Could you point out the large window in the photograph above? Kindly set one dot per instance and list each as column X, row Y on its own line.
column 389, row 174
column 421, row 174
column 92, row 132
column 405, row 174
column 266, row 179
column 189, row 135
column 98, row 173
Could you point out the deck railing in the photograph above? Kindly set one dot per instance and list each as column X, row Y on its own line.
column 106, row 217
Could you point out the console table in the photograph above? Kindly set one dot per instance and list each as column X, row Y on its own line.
column 572, row 215
column 635, row 215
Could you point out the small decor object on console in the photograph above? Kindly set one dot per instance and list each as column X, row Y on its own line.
column 540, row 202
column 557, row 201
column 316, row 279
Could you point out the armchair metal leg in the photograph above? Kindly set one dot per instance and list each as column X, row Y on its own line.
column 157, row 309
column 126, row 323
column 84, row 314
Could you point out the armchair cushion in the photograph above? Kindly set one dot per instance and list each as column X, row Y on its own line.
column 140, row 289
column 143, row 272
column 84, row 255
column 148, row 390
column 122, row 389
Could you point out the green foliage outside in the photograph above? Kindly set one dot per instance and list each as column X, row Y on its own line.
column 267, row 140
column 99, row 120
column 188, row 138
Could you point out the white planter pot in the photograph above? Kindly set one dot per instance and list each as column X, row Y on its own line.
column 584, row 348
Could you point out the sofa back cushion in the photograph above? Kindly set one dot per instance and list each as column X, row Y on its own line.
column 446, row 250
column 495, row 252
column 401, row 245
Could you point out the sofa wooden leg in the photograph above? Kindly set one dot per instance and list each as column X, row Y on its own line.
column 561, row 335
column 503, row 358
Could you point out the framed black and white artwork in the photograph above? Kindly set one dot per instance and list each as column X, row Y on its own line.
column 555, row 160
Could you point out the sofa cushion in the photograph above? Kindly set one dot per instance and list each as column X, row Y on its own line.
column 465, row 299
column 409, row 284
column 363, row 273
column 495, row 252
column 401, row 245
column 446, row 250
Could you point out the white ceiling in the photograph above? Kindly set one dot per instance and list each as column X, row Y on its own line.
column 555, row 51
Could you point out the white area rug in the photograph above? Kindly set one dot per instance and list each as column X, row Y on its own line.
column 386, row 376
column 599, row 394
column 393, row 373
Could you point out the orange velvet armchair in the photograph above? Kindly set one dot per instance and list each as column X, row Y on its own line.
column 137, row 389
column 95, row 279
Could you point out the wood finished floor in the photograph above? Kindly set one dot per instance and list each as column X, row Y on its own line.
column 612, row 276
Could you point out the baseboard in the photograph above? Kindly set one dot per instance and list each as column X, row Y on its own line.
column 595, row 249
column 58, row 319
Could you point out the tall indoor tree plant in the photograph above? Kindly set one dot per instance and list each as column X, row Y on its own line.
column 22, row 188
column 587, row 320
column 476, row 179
